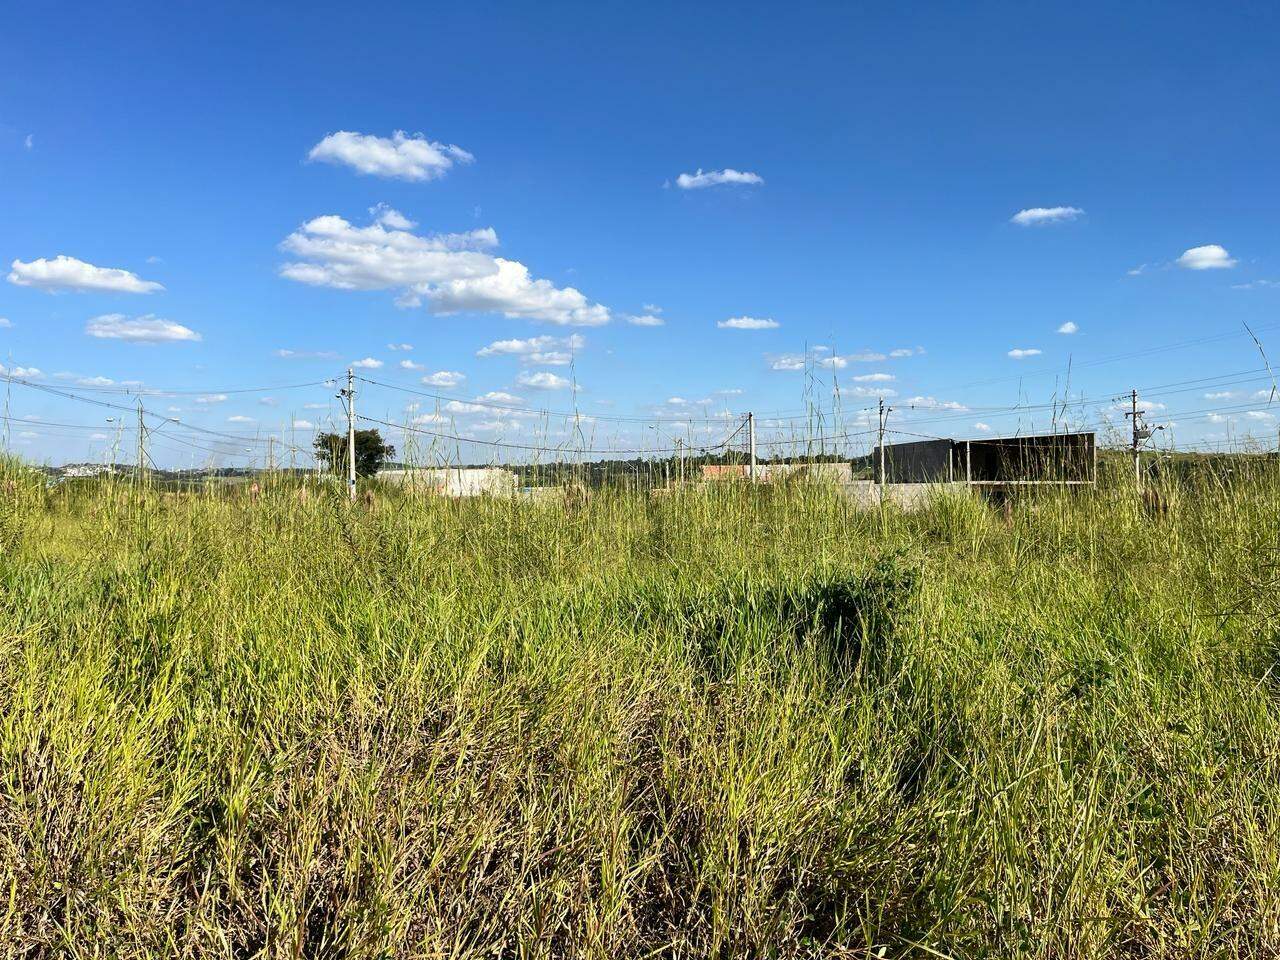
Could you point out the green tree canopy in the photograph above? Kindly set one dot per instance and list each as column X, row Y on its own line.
column 371, row 452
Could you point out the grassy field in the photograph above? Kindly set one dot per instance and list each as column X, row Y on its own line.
column 724, row 723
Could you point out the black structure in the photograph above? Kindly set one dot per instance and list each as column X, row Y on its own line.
column 1064, row 459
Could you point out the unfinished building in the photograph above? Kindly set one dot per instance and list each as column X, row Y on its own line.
column 1000, row 463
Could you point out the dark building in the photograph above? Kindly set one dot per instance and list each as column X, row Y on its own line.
column 1052, row 458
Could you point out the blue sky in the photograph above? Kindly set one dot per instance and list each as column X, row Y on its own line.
column 242, row 167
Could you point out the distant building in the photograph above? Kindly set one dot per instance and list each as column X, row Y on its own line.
column 454, row 481
column 1053, row 459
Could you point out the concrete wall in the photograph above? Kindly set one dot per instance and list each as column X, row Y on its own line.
column 456, row 481
column 773, row 472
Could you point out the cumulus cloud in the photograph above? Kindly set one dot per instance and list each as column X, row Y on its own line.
column 368, row 363
column 931, row 403
column 982, row 427
column 1021, row 353
column 240, row 418
column 145, row 329
column 68, row 273
column 211, row 398
column 400, row 346
column 906, row 352
column 1069, row 328
column 400, row 156
column 716, row 178
column 450, row 273
column 874, row 378
column 1256, row 285
column 1039, row 216
column 303, row 425
column 410, row 365
column 21, row 371
column 1209, row 257
column 545, row 350
column 748, row 323
column 444, row 378
column 5, row 323
column 542, row 380
column 646, row 320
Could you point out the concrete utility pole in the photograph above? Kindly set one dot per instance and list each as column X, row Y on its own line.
column 142, row 440
column 884, row 413
column 349, row 395
column 680, row 454
column 751, row 441
column 1140, row 432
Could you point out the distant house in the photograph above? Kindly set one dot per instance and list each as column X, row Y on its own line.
column 1053, row 459
column 454, row 481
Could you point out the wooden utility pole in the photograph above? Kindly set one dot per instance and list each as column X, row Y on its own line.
column 751, row 441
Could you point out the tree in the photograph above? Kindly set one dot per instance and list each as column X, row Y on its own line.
column 371, row 452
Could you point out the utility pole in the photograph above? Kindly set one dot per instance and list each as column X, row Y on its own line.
column 751, row 441
column 680, row 454
column 349, row 395
column 1140, row 433
column 142, row 441
column 884, row 413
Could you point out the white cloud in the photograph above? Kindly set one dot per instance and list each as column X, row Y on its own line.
column 391, row 217
column 860, row 391
column 268, row 401
column 429, row 419
column 715, row 178
column 99, row 436
column 449, row 272
column 646, row 320
column 285, row 354
column 303, row 425
column 68, row 273
column 145, row 329
column 1037, row 216
column 498, row 396
column 1069, row 328
column 368, row 363
column 29, row 141
column 1021, row 353
column 211, row 398
column 748, row 323
column 930, row 403
column 315, row 406
column 983, row 427
column 907, row 352
column 400, row 346
column 410, row 365
column 730, row 392
column 513, row 293
column 545, row 350
column 1260, row 415
column 651, row 308
column 542, row 380
column 1256, row 285
column 1138, row 270
column 400, row 156
column 5, row 323
column 238, row 418
column 1209, row 257
column 874, row 377
column 1220, row 395
column 444, row 378
column 788, row 361
column 21, row 371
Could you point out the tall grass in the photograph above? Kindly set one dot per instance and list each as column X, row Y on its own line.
column 727, row 722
